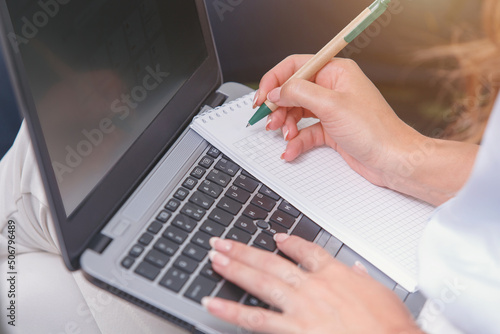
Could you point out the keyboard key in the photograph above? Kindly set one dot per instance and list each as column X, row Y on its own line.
column 288, row 208
column 195, row 252
column 201, row 287
column 246, row 183
column 230, row 291
column 193, row 211
column 283, row 219
column 155, row 227
column 221, row 217
column 147, row 270
column 263, row 202
column 268, row 192
column 198, row 172
column 190, row 183
column 227, row 167
column 255, row 302
column 145, row 239
column 213, row 152
column 202, row 200
column 184, row 222
column 262, row 224
column 174, row 279
column 265, row 241
column 212, row 228
column 206, row 162
column 186, row 264
column 163, row 216
column 238, row 235
column 173, row 205
column 202, row 239
column 306, row 229
column 210, row 188
column 229, row 205
column 136, row 251
column 209, row 273
column 175, row 234
column 156, row 258
column 275, row 228
column 238, row 194
column 166, row 246
column 219, row 177
column 254, row 212
column 245, row 173
column 181, row 194
column 128, row 262
column 246, row 225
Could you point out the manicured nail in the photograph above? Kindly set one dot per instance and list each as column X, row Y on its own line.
column 274, row 95
column 269, row 120
column 280, row 237
column 220, row 245
column 218, row 258
column 361, row 267
column 283, row 156
column 285, row 131
column 255, row 98
column 213, row 303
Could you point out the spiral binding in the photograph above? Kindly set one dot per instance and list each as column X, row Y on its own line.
column 217, row 111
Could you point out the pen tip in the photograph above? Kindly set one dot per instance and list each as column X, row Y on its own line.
column 248, row 125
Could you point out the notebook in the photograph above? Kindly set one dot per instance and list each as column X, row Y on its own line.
column 382, row 225
column 108, row 89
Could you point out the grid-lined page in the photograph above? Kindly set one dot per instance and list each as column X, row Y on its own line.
column 381, row 225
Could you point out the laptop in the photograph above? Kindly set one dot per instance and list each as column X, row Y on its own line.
column 108, row 89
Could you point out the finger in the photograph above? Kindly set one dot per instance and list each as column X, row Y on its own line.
column 286, row 120
column 253, row 318
column 260, row 259
column 279, row 75
column 311, row 256
column 305, row 140
column 264, row 286
column 321, row 101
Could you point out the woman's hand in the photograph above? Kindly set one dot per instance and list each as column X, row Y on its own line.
column 326, row 297
column 357, row 122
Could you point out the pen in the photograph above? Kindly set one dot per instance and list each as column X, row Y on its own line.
column 329, row 51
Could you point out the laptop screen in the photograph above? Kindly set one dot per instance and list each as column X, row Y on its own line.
column 100, row 72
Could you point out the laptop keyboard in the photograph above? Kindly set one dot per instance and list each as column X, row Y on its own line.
column 220, row 199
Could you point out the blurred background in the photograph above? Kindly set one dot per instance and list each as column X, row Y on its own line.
column 254, row 35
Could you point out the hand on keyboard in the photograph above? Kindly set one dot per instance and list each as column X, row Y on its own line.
column 324, row 297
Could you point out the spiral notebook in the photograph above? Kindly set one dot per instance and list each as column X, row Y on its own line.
column 381, row 225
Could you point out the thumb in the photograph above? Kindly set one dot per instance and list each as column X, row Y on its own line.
column 319, row 100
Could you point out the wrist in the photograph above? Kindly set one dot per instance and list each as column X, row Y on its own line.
column 430, row 169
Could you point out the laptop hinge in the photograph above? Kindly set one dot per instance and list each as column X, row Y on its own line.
column 100, row 243
column 214, row 100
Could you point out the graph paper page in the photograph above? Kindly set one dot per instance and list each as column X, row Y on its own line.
column 381, row 225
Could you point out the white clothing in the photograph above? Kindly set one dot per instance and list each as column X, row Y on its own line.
column 460, row 251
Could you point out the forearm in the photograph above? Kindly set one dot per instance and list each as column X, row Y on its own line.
column 433, row 170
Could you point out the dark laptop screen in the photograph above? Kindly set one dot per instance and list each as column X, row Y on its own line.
column 100, row 71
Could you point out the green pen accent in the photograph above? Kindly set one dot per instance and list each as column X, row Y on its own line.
column 263, row 111
column 377, row 8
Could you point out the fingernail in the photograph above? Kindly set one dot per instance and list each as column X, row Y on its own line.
column 220, row 244
column 274, row 95
column 280, row 237
column 285, row 131
column 213, row 303
column 255, row 98
column 218, row 258
column 361, row 267
column 283, row 156
column 269, row 120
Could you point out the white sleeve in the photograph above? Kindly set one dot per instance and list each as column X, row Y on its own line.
column 460, row 251
column 23, row 200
